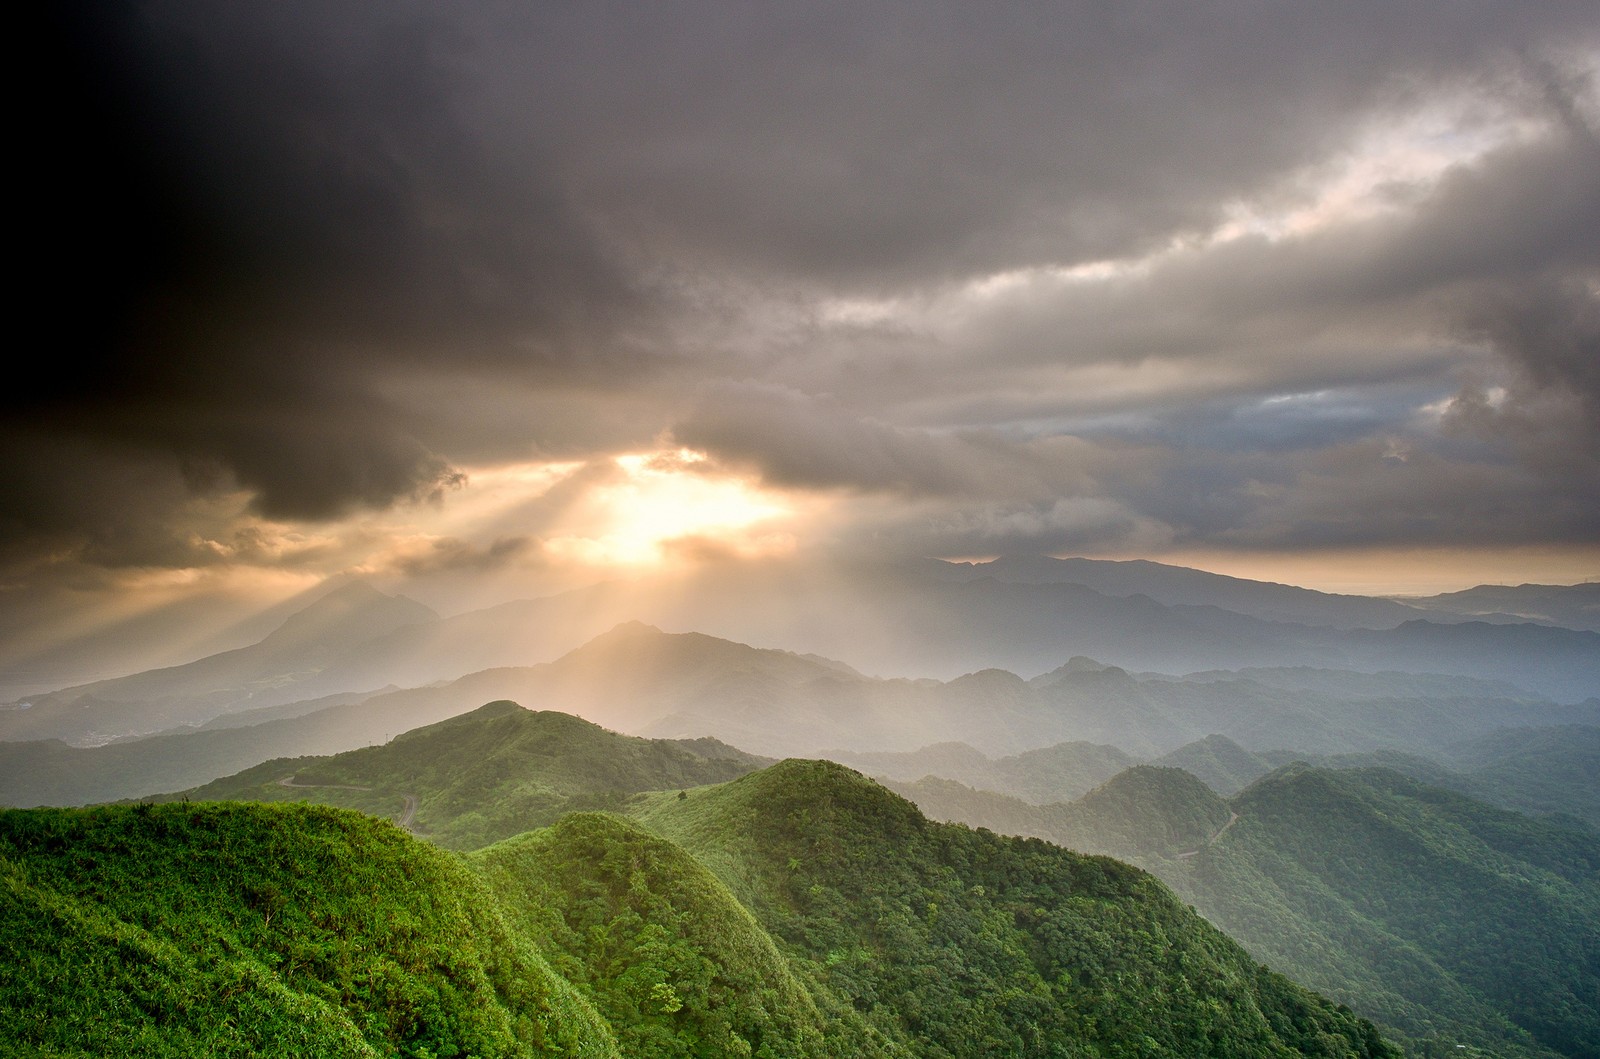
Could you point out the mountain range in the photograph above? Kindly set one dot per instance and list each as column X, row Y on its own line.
column 1393, row 801
column 932, row 620
column 800, row 910
column 1387, row 894
column 638, row 679
column 1433, row 913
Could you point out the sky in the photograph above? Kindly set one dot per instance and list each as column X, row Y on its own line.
column 484, row 299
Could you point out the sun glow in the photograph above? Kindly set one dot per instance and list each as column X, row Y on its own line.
column 660, row 505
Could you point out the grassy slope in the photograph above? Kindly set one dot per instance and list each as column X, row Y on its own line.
column 492, row 773
column 272, row 930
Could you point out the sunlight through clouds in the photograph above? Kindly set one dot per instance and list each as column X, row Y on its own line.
column 661, row 498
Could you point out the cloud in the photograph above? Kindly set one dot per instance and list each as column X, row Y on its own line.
column 1550, row 328
column 875, row 145
column 292, row 211
column 454, row 554
column 1018, row 277
column 800, row 441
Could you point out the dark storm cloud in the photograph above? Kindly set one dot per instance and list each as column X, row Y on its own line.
column 1278, row 424
column 327, row 252
column 875, row 143
column 1329, row 343
column 283, row 207
column 1550, row 328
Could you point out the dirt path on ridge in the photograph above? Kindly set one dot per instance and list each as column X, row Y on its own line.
column 407, row 815
column 1233, row 818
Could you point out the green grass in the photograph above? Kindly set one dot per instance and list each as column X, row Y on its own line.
column 216, row 929
column 490, row 774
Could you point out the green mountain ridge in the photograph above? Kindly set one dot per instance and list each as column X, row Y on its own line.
column 1505, row 906
column 799, row 849
column 1441, row 917
column 489, row 774
column 1143, row 810
column 798, row 911
column 970, row 944
column 668, row 955
column 1537, row 771
column 1547, row 771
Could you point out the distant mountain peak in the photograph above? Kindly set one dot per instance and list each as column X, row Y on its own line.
column 632, row 628
column 377, row 613
column 498, row 708
column 989, row 677
column 1079, row 667
column 355, row 589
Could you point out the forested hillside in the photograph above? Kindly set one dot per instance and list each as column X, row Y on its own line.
column 800, row 911
column 965, row 944
column 1433, row 910
column 1447, row 920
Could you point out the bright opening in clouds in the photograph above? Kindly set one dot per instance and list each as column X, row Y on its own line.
column 661, row 503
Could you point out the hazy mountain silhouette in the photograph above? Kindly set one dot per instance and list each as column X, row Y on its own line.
column 281, row 668
column 640, row 680
column 1174, row 585
column 1570, row 606
column 931, row 620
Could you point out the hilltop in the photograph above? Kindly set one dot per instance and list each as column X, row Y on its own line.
column 489, row 774
column 965, row 943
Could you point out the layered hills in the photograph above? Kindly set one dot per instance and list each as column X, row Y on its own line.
column 1304, row 866
column 934, row 619
column 799, row 911
column 283, row 667
column 1546, row 771
column 639, row 679
column 1336, row 781
column 1443, row 918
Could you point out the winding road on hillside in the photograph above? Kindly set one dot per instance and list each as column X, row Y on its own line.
column 288, row 781
column 407, row 814
column 1232, row 819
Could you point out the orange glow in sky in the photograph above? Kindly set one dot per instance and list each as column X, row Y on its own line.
column 662, row 498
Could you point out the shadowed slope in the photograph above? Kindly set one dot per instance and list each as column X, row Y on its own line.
column 665, row 952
